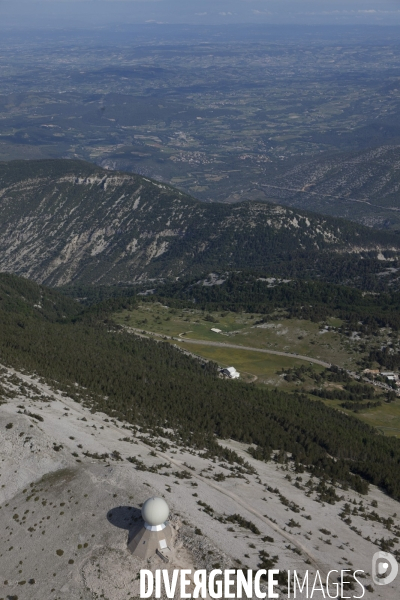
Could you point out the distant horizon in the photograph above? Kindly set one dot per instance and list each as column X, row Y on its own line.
column 78, row 14
column 202, row 32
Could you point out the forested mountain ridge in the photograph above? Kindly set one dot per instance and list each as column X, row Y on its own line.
column 64, row 221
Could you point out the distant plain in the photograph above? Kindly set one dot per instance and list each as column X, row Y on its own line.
column 307, row 120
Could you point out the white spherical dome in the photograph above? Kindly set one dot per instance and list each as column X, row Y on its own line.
column 155, row 511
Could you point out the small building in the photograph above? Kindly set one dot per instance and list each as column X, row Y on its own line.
column 389, row 375
column 154, row 535
column 230, row 372
column 215, row 330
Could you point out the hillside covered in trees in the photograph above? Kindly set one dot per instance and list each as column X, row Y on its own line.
column 68, row 222
column 154, row 385
column 252, row 291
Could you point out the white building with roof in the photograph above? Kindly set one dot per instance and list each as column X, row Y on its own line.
column 230, row 372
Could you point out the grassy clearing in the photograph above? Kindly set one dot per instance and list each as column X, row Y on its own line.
column 286, row 335
column 263, row 366
column 386, row 418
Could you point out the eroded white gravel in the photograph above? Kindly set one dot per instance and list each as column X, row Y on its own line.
column 52, row 500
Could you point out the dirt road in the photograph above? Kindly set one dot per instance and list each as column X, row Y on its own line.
column 323, row 569
column 237, row 347
column 309, row 359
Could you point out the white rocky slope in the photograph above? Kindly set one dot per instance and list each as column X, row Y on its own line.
column 65, row 517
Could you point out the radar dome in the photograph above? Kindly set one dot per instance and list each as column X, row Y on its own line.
column 155, row 511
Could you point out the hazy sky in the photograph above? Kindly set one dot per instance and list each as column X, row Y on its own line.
column 103, row 12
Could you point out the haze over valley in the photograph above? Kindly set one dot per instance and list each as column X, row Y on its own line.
column 300, row 116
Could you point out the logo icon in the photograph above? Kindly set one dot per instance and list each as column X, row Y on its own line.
column 384, row 568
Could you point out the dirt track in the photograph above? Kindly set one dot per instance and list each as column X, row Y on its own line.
column 234, row 346
column 237, row 347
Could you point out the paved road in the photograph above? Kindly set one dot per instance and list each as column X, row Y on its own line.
column 234, row 346
column 306, row 190
column 264, row 351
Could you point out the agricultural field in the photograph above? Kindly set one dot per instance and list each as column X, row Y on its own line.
column 311, row 123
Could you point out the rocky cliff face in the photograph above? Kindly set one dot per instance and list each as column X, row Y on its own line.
column 67, row 221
